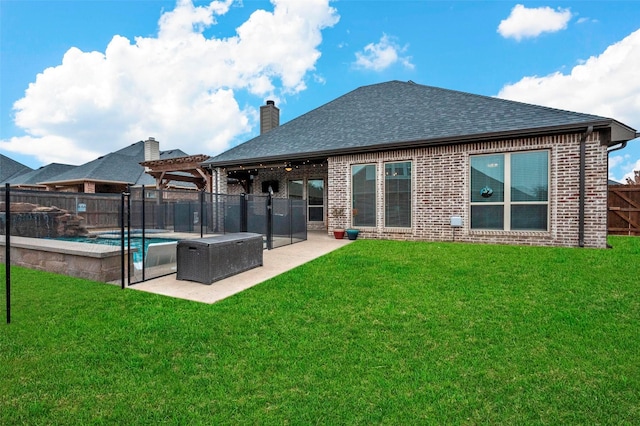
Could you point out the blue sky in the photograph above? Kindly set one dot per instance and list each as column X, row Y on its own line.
column 83, row 78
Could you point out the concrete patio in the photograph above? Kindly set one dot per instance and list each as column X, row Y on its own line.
column 275, row 262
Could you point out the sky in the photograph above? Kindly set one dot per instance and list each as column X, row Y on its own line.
column 80, row 79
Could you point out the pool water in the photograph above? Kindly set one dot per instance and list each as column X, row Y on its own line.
column 136, row 243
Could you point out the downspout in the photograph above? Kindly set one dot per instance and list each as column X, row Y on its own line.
column 583, row 160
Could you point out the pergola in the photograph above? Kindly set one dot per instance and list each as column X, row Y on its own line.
column 181, row 169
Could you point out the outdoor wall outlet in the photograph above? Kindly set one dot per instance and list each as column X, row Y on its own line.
column 456, row 221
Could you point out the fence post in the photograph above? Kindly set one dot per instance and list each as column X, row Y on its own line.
column 201, row 213
column 243, row 212
column 144, row 227
column 269, row 221
column 129, row 261
column 160, row 214
column 7, row 247
column 122, row 264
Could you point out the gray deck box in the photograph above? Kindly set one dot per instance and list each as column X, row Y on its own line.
column 206, row 260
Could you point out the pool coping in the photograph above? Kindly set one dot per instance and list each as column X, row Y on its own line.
column 64, row 247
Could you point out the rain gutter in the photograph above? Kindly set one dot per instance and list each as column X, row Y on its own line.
column 583, row 156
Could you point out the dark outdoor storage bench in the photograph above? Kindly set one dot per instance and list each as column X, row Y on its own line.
column 210, row 259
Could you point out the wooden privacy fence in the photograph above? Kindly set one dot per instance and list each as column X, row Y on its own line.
column 624, row 210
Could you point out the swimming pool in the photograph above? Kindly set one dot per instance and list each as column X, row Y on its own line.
column 113, row 240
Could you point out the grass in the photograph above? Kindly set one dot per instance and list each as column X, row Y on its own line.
column 380, row 332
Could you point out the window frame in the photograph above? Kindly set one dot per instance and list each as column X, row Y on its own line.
column 410, row 193
column 304, row 186
column 323, row 206
column 507, row 202
column 354, row 209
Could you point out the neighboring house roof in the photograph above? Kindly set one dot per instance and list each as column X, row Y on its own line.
column 122, row 166
column 43, row 173
column 405, row 115
column 10, row 169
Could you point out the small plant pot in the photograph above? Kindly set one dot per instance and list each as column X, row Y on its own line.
column 352, row 234
column 338, row 234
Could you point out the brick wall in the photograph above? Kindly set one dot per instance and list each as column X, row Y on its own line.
column 441, row 190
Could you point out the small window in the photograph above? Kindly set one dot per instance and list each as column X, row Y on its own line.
column 296, row 189
column 315, row 199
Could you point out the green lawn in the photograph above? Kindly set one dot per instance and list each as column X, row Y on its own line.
column 376, row 332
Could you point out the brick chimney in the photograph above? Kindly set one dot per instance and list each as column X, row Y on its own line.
column 269, row 117
column 151, row 149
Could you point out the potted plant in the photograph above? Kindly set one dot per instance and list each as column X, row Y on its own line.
column 338, row 213
column 352, row 233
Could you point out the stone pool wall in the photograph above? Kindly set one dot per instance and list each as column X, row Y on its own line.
column 91, row 261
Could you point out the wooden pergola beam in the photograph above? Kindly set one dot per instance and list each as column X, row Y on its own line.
column 166, row 171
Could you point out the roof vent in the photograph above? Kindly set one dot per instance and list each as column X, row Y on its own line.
column 269, row 117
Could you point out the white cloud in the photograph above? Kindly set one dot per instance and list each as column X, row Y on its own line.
column 586, row 20
column 606, row 85
column 179, row 86
column 625, row 165
column 616, row 160
column 57, row 149
column 631, row 174
column 380, row 56
column 524, row 22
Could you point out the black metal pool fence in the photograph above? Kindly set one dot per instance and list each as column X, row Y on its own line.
column 148, row 212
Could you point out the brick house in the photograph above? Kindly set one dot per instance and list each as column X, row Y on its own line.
column 399, row 160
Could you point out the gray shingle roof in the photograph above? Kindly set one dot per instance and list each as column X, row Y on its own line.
column 39, row 175
column 400, row 114
column 119, row 166
column 10, row 169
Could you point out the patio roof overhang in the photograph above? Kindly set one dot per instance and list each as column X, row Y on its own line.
column 288, row 164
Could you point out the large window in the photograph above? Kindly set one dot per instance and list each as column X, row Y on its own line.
column 363, row 188
column 397, row 194
column 510, row 191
